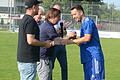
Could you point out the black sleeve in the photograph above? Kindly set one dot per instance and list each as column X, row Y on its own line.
column 30, row 27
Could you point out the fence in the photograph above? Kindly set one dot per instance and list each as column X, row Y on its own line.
column 113, row 26
column 106, row 17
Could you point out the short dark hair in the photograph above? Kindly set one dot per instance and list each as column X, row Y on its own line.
column 78, row 7
column 52, row 13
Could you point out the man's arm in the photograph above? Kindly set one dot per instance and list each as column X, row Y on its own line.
column 86, row 38
column 77, row 41
column 32, row 41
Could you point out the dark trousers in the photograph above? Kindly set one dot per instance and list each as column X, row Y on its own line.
column 60, row 54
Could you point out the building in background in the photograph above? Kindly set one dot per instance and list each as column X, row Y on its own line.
column 106, row 16
column 11, row 13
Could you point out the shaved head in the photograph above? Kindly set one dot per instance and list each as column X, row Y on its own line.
column 57, row 6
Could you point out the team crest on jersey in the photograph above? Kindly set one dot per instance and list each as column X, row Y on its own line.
column 87, row 19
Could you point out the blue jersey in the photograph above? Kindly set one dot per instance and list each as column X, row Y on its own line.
column 91, row 49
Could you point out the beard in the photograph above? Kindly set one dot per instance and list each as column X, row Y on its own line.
column 80, row 19
column 36, row 12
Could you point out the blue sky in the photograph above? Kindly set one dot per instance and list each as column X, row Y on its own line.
column 116, row 2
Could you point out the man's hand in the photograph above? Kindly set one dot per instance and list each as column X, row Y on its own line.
column 56, row 41
column 48, row 44
column 72, row 35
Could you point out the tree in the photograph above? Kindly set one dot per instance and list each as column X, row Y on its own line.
column 88, row 0
column 48, row 3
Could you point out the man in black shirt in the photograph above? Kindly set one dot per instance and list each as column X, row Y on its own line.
column 28, row 42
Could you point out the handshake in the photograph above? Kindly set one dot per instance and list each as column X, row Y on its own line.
column 62, row 41
column 65, row 41
column 58, row 41
column 72, row 35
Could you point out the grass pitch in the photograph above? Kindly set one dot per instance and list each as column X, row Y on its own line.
column 8, row 63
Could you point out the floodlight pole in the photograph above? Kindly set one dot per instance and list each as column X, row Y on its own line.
column 10, row 15
column 13, row 27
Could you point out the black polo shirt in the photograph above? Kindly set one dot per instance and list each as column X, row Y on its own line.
column 27, row 53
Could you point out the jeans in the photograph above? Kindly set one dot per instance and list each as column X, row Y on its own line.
column 44, row 69
column 27, row 71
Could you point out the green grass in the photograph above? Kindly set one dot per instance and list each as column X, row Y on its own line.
column 8, row 63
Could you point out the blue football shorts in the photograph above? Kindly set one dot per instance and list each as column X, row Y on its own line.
column 94, row 70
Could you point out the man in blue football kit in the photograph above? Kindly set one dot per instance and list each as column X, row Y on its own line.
column 90, row 49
